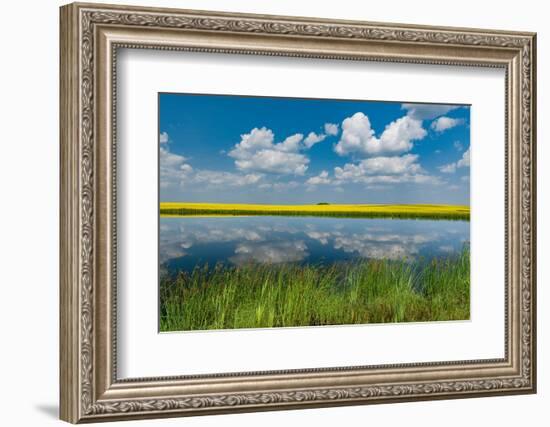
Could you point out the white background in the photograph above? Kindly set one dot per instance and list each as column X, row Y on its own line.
column 143, row 73
column 29, row 170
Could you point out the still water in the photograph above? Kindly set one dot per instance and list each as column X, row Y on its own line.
column 186, row 242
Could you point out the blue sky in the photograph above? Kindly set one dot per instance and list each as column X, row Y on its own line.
column 241, row 149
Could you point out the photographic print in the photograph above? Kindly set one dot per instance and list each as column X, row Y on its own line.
column 292, row 212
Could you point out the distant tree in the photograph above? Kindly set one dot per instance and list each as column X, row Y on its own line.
column 323, row 203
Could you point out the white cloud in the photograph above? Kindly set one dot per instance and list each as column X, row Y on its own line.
column 401, row 179
column 186, row 169
column 443, row 123
column 257, row 153
column 398, row 135
column 313, row 139
column 376, row 165
column 279, row 186
column 359, row 137
column 392, row 165
column 427, row 111
column 385, row 170
column 163, row 138
column 256, row 140
column 322, row 178
column 331, row 129
column 170, row 160
column 173, row 168
column 220, row 178
column 275, row 162
column 458, row 145
column 291, row 144
column 463, row 162
column 450, row 168
column 175, row 171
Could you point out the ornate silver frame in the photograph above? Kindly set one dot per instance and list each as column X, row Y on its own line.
column 90, row 36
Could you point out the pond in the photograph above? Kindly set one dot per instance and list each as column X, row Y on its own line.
column 187, row 242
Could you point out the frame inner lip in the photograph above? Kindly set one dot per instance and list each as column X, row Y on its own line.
column 461, row 364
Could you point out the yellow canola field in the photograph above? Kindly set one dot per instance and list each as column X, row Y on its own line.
column 461, row 211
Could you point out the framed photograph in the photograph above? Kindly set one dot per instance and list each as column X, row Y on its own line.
column 266, row 212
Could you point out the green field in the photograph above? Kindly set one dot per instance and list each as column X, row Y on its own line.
column 364, row 291
column 453, row 212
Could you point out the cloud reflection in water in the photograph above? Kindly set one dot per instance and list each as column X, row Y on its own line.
column 238, row 240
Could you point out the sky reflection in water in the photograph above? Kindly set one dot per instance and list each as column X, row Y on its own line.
column 186, row 242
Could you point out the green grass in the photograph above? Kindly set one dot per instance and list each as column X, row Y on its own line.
column 420, row 211
column 268, row 295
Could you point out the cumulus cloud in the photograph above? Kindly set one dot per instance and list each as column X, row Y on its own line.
column 279, row 186
column 173, row 168
column 331, row 129
column 170, row 160
column 274, row 162
column 175, row 171
column 427, row 111
column 220, row 178
column 291, row 144
column 257, row 152
column 384, row 170
column 458, row 145
column 254, row 141
column 359, row 137
column 398, row 135
column 322, row 178
column 463, row 162
column 391, row 165
column 313, row 139
column 450, row 168
column 443, row 123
